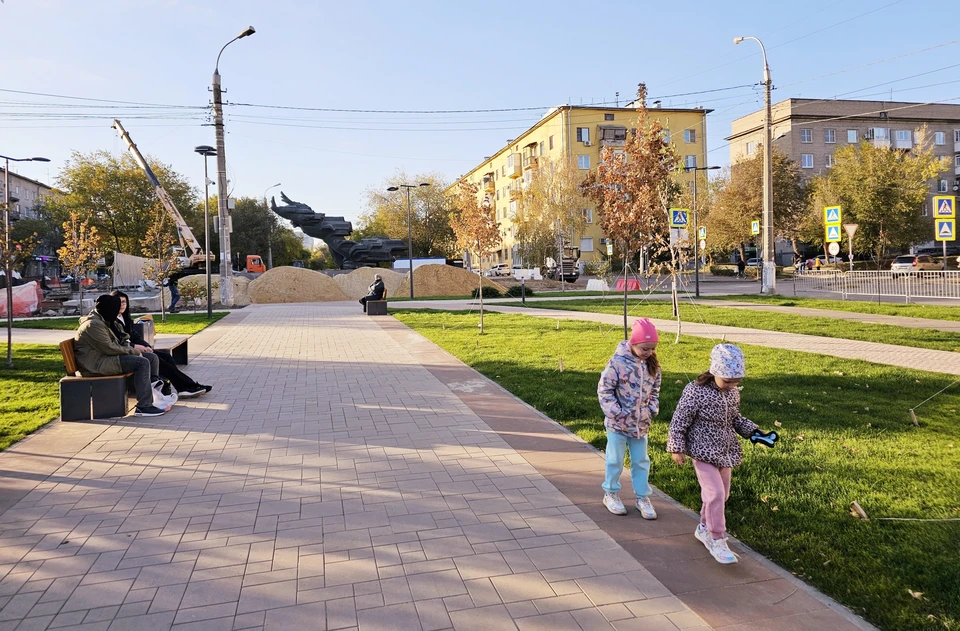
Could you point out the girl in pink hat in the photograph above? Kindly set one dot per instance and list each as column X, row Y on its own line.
column 629, row 393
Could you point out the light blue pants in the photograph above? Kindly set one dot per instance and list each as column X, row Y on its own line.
column 617, row 445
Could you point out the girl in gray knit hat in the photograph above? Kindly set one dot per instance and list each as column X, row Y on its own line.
column 704, row 427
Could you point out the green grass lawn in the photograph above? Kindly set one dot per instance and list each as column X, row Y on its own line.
column 933, row 312
column 176, row 324
column 846, row 436
column 768, row 321
column 29, row 395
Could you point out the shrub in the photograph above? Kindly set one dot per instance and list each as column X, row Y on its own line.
column 515, row 291
column 488, row 292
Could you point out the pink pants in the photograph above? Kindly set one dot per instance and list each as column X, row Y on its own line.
column 714, row 491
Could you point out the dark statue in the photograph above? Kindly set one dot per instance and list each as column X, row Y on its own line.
column 334, row 230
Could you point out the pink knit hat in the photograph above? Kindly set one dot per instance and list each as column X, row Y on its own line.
column 643, row 331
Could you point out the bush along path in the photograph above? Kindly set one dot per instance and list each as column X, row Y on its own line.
column 847, row 436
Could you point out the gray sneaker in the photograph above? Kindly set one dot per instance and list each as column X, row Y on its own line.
column 647, row 511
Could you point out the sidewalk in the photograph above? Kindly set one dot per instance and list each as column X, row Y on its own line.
column 346, row 473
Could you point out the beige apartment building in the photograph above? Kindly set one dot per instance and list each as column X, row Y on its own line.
column 810, row 130
column 24, row 194
column 579, row 133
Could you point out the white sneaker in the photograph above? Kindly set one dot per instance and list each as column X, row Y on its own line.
column 702, row 535
column 721, row 552
column 647, row 511
column 613, row 504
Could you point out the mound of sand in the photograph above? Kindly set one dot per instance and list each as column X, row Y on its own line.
column 241, row 298
column 293, row 284
column 356, row 283
column 442, row 280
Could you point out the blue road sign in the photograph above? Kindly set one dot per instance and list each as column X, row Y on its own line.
column 754, row 227
column 703, row 232
column 833, row 234
column 944, row 207
column 678, row 217
column 831, row 215
column 946, row 230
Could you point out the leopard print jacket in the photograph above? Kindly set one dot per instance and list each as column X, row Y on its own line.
column 706, row 423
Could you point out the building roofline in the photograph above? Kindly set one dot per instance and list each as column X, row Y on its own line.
column 29, row 179
column 557, row 109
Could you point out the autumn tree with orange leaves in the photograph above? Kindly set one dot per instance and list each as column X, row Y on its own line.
column 476, row 229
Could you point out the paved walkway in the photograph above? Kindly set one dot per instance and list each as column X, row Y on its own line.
column 347, row 474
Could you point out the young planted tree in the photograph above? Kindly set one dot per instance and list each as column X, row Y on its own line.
column 81, row 249
column 162, row 259
column 632, row 190
column 476, row 229
column 553, row 203
column 882, row 190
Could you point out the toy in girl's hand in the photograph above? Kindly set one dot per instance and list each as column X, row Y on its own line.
column 760, row 437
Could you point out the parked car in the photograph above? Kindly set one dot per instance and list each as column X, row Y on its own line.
column 754, row 262
column 824, row 259
column 913, row 264
column 501, row 269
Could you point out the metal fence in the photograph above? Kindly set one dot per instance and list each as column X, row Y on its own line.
column 881, row 283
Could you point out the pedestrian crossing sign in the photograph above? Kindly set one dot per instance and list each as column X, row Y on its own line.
column 678, row 217
column 703, row 233
column 944, row 207
column 831, row 215
column 946, row 230
column 754, row 227
column 833, row 234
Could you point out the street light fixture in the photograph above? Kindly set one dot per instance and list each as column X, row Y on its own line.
column 206, row 151
column 768, row 284
column 7, row 259
column 696, row 227
column 226, row 272
column 269, row 228
column 394, row 189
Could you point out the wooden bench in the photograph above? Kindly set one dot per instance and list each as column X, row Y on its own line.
column 177, row 349
column 88, row 398
column 376, row 307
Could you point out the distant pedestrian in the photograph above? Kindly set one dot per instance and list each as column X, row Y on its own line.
column 629, row 393
column 741, row 267
column 704, row 427
column 174, row 290
column 376, row 291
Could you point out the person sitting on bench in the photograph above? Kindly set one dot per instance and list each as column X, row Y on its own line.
column 99, row 354
column 376, row 291
column 186, row 387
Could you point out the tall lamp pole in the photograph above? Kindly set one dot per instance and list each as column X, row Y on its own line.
column 206, row 151
column 226, row 260
column 269, row 228
column 696, row 227
column 769, row 282
column 393, row 189
column 8, row 259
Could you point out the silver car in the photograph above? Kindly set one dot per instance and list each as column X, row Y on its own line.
column 913, row 264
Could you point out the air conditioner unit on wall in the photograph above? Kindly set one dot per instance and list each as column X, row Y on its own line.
column 586, row 143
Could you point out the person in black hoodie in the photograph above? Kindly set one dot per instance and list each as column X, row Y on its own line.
column 375, row 291
column 186, row 387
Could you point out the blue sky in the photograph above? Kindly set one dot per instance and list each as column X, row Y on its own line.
column 379, row 55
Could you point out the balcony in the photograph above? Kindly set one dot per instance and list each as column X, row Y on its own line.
column 515, row 193
column 514, row 169
column 612, row 136
column 489, row 186
column 530, row 162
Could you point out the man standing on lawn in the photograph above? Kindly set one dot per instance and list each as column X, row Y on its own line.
column 100, row 354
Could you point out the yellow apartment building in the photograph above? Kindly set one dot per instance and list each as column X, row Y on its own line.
column 578, row 132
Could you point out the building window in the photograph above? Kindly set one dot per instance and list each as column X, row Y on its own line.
column 608, row 117
column 550, row 143
column 689, row 135
column 751, row 147
column 829, row 162
column 941, row 186
column 956, row 160
column 852, row 136
column 830, row 136
column 903, row 135
column 956, row 135
column 939, row 138
column 541, row 147
column 586, row 244
column 690, row 162
column 583, row 134
column 587, row 215
column 806, row 136
column 583, row 161
column 806, row 160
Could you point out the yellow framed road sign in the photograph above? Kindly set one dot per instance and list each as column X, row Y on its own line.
column 678, row 217
column 754, row 227
column 946, row 229
column 832, row 234
column 831, row 215
column 944, row 207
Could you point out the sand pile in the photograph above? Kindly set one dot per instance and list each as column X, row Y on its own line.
column 443, row 280
column 356, row 283
column 241, row 297
column 293, row 284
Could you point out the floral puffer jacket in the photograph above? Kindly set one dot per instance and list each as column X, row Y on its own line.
column 629, row 395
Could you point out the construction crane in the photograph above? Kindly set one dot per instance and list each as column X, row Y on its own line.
column 190, row 247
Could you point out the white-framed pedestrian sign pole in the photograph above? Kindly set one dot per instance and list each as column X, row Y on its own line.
column 945, row 221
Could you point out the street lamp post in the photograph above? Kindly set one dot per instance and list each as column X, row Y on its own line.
column 269, row 228
column 696, row 228
column 8, row 259
column 206, row 151
column 769, row 283
column 226, row 272
column 393, row 189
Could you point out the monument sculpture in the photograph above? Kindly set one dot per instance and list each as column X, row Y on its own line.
column 334, row 230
